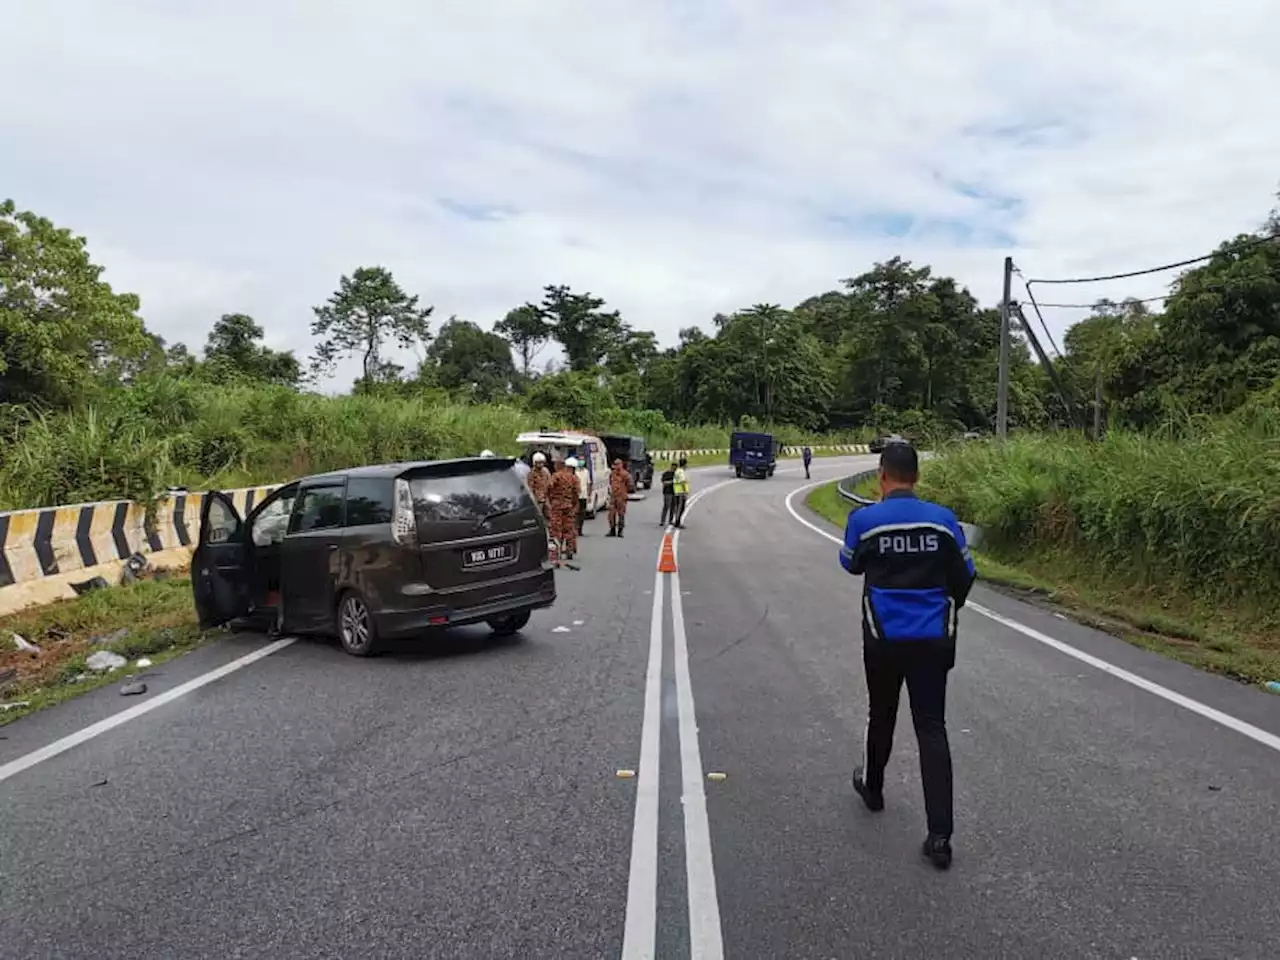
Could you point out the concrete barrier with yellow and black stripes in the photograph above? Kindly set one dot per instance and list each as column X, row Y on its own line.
column 43, row 552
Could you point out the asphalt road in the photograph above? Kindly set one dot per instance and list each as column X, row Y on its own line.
column 461, row 798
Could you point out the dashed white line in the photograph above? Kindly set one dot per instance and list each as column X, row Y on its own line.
column 14, row 767
column 1242, row 727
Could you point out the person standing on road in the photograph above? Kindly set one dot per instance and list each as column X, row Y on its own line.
column 562, row 502
column 539, row 481
column 917, row 573
column 619, row 489
column 808, row 459
column 680, row 489
column 584, row 490
column 668, row 494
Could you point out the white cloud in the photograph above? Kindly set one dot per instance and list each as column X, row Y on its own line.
column 678, row 158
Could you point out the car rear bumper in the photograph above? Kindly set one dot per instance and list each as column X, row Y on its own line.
column 472, row 606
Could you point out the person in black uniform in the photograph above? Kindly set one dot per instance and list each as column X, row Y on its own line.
column 668, row 494
column 917, row 572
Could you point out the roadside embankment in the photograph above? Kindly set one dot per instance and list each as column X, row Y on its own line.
column 1167, row 542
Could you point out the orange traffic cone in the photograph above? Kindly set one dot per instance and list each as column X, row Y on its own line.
column 667, row 560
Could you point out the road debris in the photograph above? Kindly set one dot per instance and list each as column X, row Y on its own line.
column 626, row 774
column 105, row 660
column 559, row 629
column 24, row 645
column 133, row 689
column 109, row 637
column 88, row 586
column 578, row 623
column 142, row 662
column 134, row 567
column 717, row 776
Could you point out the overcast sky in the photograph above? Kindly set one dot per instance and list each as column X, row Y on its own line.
column 677, row 157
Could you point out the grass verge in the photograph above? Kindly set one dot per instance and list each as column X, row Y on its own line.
column 1234, row 642
column 152, row 618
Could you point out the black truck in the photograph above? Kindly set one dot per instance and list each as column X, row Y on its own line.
column 631, row 450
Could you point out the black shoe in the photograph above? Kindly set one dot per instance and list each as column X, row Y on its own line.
column 874, row 799
column 937, row 850
column 612, row 533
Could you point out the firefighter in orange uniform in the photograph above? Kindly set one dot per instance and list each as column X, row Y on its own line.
column 619, row 488
column 562, row 502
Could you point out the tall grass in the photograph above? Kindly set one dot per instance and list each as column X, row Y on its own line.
column 1196, row 508
column 182, row 432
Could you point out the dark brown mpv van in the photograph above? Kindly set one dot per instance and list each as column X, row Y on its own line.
column 378, row 552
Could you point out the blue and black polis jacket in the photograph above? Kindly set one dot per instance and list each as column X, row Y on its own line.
column 916, row 567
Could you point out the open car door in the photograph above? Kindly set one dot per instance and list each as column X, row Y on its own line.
column 220, row 567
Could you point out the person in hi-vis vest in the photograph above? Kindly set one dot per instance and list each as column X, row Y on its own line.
column 680, row 491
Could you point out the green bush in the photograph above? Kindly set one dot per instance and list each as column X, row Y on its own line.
column 1196, row 508
column 183, row 432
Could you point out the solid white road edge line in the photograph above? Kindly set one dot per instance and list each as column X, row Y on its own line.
column 14, row 767
column 1257, row 734
column 640, row 926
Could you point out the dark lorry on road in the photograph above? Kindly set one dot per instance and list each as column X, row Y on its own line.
column 376, row 552
column 631, row 451
column 753, row 454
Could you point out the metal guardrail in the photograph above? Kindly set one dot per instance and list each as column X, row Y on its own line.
column 846, row 486
column 973, row 534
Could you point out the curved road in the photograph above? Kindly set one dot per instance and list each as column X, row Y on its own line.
column 462, row 798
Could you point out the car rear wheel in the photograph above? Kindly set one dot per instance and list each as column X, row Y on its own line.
column 356, row 628
column 506, row 626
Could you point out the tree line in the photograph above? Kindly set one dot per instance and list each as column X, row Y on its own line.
column 895, row 347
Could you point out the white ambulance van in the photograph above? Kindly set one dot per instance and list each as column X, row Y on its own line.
column 588, row 449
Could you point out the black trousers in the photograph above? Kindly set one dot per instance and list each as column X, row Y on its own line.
column 582, row 515
column 668, row 507
column 926, row 679
column 677, row 509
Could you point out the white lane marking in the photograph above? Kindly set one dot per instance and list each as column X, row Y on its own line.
column 706, row 941
column 641, row 924
column 1142, row 683
column 705, row 938
column 14, row 767
column 1242, row 727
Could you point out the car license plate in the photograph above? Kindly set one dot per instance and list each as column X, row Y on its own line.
column 484, row 556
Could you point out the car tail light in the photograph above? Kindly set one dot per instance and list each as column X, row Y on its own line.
column 404, row 527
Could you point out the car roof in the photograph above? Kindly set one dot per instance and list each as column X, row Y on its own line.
column 553, row 437
column 379, row 471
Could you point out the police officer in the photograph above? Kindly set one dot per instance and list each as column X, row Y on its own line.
column 917, row 572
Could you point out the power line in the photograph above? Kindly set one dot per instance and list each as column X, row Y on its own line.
column 1036, row 307
column 1206, row 288
column 1238, row 248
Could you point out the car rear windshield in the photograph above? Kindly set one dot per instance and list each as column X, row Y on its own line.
column 754, row 443
column 469, row 496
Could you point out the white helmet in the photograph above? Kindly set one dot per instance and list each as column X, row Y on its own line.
column 539, row 457
column 486, row 453
column 571, row 463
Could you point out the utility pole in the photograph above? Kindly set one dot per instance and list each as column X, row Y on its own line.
column 1002, row 387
